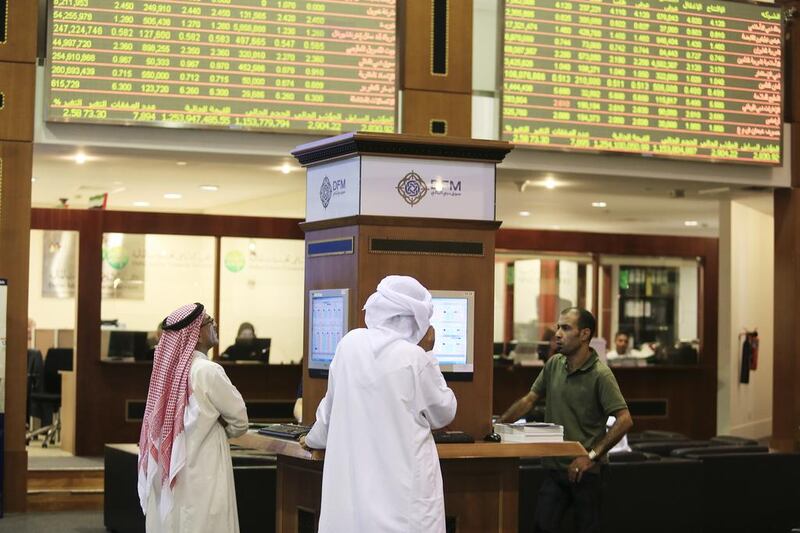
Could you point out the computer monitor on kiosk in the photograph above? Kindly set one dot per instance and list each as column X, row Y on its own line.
column 328, row 311
column 454, row 321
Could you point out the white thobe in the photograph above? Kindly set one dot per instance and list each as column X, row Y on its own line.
column 381, row 471
column 204, row 498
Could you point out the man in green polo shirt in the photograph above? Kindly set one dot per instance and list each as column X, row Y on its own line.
column 581, row 394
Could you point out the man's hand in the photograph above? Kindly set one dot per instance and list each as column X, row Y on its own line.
column 578, row 467
column 302, row 443
column 428, row 340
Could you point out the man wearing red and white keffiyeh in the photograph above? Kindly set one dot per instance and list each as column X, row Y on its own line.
column 185, row 471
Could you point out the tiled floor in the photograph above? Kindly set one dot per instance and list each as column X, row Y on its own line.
column 72, row 522
column 55, row 458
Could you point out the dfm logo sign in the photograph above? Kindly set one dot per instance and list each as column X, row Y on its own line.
column 329, row 189
column 412, row 188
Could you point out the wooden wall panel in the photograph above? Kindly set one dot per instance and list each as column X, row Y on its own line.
column 441, row 272
column 17, row 81
column 20, row 42
column 431, row 96
column 328, row 272
column 422, row 107
column 17, row 88
column 15, row 205
column 786, row 370
column 417, row 49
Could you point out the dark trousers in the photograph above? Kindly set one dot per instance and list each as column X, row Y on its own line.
column 557, row 494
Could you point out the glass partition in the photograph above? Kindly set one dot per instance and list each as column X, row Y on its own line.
column 261, row 284
column 146, row 277
column 51, row 289
column 531, row 290
column 650, row 310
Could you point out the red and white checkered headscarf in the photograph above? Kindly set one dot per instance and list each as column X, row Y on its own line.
column 168, row 396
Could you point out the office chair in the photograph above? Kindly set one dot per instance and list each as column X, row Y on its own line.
column 35, row 384
column 50, row 400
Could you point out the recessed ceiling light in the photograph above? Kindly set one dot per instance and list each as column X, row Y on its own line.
column 211, row 188
column 141, row 204
column 598, row 204
column 173, row 196
column 550, row 183
column 524, row 213
column 33, row 179
column 80, row 158
column 181, row 163
column 286, row 168
column 690, row 223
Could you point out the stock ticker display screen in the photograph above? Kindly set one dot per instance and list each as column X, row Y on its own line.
column 272, row 65
column 686, row 79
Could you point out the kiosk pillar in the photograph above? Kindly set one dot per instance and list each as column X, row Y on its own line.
column 391, row 204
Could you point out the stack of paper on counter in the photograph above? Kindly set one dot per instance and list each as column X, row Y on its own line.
column 530, row 432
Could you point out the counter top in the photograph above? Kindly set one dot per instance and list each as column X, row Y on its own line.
column 256, row 441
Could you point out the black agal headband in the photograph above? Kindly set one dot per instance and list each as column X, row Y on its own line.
column 182, row 323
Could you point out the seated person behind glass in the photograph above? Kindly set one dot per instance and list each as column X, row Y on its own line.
column 547, row 346
column 245, row 346
column 624, row 354
column 622, row 346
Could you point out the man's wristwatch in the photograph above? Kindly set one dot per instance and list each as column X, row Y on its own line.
column 592, row 455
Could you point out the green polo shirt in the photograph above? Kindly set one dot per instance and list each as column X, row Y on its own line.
column 581, row 400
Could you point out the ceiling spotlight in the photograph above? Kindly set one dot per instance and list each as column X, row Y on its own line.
column 286, row 168
column 550, row 183
column 181, row 163
column 80, row 158
column 599, row 204
column 33, row 179
column 690, row 223
column 173, row 196
column 141, row 204
column 524, row 213
column 211, row 188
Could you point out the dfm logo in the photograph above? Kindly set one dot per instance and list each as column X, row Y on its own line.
column 329, row 189
column 412, row 188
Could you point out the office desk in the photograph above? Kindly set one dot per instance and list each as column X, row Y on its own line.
column 480, row 481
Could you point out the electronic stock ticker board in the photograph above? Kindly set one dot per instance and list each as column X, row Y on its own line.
column 690, row 79
column 322, row 66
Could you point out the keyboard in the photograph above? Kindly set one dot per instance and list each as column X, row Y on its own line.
column 451, row 437
column 284, row 431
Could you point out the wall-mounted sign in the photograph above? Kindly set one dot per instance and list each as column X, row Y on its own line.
column 123, row 266
column 59, row 259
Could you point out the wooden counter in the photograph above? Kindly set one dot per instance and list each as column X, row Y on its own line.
column 480, row 481
column 290, row 448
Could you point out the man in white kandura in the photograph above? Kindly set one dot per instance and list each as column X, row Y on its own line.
column 385, row 394
column 185, row 470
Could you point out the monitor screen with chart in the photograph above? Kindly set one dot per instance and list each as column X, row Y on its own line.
column 453, row 319
column 327, row 324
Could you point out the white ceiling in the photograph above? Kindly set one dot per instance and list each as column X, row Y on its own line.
column 256, row 186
